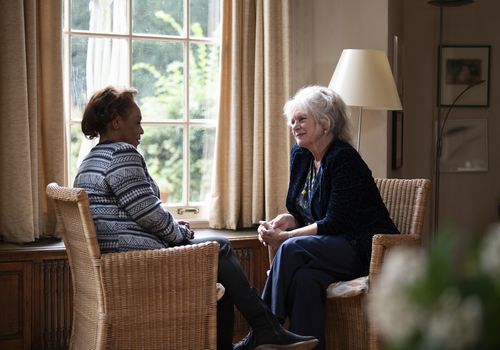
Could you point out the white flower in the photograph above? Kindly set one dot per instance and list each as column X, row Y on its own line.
column 490, row 253
column 390, row 310
column 454, row 323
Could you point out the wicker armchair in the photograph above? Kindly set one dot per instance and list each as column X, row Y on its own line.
column 150, row 299
column 347, row 326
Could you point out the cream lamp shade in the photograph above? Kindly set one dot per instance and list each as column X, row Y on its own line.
column 363, row 79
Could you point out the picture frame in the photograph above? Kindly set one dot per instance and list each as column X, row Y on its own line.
column 397, row 139
column 465, row 146
column 461, row 67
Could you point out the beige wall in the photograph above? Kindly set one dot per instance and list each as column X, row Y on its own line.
column 322, row 28
column 468, row 200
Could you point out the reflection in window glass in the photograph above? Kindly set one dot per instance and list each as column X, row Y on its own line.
column 158, row 17
column 76, row 142
column 161, row 146
column 80, row 14
column 203, row 81
column 205, row 18
column 202, row 142
column 78, row 75
column 158, row 74
column 99, row 16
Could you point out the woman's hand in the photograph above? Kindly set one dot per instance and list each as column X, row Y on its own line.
column 186, row 224
column 283, row 222
column 269, row 235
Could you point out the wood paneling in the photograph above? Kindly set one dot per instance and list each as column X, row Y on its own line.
column 56, row 304
column 36, row 297
column 15, row 305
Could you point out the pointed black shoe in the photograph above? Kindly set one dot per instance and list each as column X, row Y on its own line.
column 275, row 339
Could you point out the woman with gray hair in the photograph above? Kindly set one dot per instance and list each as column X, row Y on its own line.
column 334, row 209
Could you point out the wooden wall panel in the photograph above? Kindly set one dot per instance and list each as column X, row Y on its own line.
column 15, row 305
column 56, row 305
column 36, row 291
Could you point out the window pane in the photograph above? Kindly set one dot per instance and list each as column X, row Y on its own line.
column 203, row 81
column 96, row 63
column 202, row 142
column 102, row 16
column 78, row 76
column 76, row 142
column 80, row 14
column 205, row 18
column 161, row 146
column 158, row 74
column 158, row 17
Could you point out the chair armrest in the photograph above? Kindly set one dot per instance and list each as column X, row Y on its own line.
column 381, row 243
column 152, row 290
column 389, row 241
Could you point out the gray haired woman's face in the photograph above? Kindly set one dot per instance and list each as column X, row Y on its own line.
column 306, row 130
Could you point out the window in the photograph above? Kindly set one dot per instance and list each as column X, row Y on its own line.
column 169, row 50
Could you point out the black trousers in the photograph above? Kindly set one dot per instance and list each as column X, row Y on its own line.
column 238, row 292
column 302, row 269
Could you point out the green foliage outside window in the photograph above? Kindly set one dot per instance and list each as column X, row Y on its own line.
column 161, row 97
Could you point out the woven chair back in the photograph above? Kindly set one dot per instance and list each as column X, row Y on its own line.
column 78, row 232
column 406, row 201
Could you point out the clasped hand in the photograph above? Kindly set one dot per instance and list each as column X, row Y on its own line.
column 186, row 223
column 273, row 232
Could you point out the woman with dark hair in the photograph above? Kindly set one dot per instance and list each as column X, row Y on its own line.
column 334, row 209
column 127, row 212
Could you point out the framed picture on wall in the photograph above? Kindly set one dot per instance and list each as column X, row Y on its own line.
column 465, row 145
column 463, row 67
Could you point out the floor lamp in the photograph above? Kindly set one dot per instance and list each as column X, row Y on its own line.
column 363, row 79
column 440, row 123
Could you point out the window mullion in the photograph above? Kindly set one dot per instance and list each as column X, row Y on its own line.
column 187, row 177
column 66, row 85
column 129, row 39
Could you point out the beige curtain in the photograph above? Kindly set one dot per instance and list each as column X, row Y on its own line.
column 31, row 116
column 251, row 161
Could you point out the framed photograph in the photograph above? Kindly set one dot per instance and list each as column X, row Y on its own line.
column 397, row 139
column 463, row 67
column 465, row 145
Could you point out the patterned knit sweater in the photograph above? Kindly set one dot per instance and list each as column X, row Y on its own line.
column 124, row 201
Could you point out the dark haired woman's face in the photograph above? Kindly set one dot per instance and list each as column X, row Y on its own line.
column 129, row 126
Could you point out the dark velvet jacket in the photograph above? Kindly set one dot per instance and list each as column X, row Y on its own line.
column 346, row 201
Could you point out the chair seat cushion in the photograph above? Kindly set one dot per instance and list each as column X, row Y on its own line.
column 345, row 289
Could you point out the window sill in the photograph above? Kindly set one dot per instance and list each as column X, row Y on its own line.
column 229, row 234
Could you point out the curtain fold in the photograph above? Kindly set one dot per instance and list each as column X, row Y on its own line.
column 252, row 145
column 31, row 116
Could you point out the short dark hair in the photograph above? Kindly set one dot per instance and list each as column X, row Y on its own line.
column 105, row 105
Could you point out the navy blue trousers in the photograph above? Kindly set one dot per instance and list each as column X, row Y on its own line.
column 302, row 269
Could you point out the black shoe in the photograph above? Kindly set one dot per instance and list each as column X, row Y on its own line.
column 271, row 339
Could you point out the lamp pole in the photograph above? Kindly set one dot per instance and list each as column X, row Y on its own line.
column 440, row 123
column 437, row 165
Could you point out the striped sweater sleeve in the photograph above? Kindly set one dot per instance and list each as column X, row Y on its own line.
column 127, row 179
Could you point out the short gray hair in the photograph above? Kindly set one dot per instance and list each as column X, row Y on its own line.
column 321, row 103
